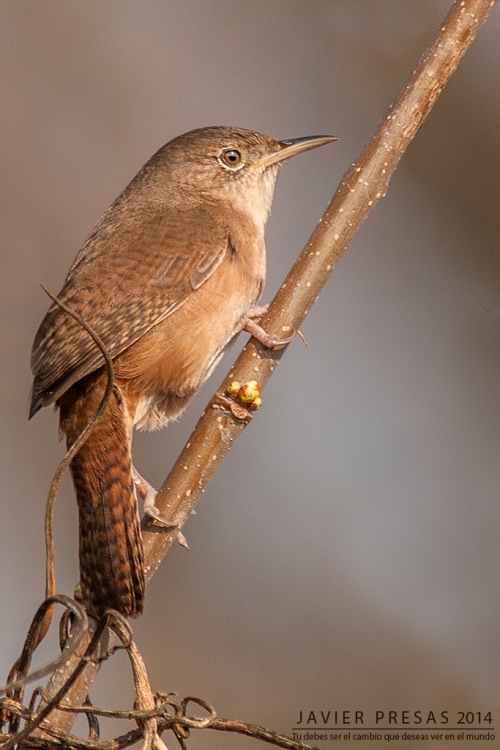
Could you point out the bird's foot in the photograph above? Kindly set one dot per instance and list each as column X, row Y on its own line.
column 256, row 311
column 148, row 494
column 249, row 324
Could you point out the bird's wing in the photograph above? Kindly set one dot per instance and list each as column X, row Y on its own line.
column 122, row 287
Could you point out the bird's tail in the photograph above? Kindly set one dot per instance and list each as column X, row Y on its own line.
column 111, row 551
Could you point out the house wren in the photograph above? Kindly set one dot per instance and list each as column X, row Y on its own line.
column 169, row 275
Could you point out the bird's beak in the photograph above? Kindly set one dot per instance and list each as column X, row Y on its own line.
column 293, row 147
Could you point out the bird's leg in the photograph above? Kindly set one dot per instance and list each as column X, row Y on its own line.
column 256, row 311
column 249, row 325
column 148, row 494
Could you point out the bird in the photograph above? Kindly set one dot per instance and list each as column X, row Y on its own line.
column 170, row 274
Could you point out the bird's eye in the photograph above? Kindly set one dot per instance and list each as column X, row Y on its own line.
column 231, row 158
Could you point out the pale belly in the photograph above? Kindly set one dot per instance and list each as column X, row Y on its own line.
column 161, row 372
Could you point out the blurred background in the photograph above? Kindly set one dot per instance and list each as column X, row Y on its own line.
column 346, row 554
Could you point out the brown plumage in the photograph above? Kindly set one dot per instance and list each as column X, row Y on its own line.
column 166, row 279
column 111, row 556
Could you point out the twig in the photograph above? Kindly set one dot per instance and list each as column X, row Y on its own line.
column 80, row 629
column 69, row 682
column 260, row 733
column 180, row 724
column 144, row 698
column 18, row 676
column 71, row 453
column 41, row 623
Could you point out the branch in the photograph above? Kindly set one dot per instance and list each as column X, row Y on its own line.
column 179, row 723
column 361, row 188
column 363, row 185
column 154, row 713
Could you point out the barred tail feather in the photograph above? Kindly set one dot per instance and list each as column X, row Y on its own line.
column 111, row 550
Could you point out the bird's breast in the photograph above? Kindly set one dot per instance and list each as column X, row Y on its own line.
column 162, row 371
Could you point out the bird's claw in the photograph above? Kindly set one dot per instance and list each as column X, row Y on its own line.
column 250, row 325
column 148, row 495
column 151, row 511
column 271, row 342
